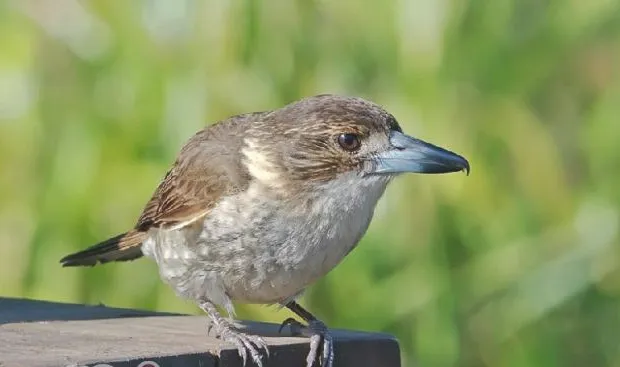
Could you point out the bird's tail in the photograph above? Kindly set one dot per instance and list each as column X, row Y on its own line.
column 126, row 246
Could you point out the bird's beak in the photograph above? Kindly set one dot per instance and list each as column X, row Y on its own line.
column 408, row 154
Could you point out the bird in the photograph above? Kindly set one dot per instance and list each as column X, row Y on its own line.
column 259, row 206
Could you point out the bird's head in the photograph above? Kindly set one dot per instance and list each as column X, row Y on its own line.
column 320, row 138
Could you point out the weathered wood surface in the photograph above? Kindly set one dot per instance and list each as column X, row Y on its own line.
column 34, row 333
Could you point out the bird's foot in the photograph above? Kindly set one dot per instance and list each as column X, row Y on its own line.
column 321, row 341
column 245, row 343
column 228, row 332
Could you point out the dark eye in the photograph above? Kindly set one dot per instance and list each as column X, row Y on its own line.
column 349, row 142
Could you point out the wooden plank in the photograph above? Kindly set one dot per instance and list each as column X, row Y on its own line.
column 166, row 340
column 26, row 310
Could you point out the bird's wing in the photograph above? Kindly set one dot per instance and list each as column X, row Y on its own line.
column 208, row 168
column 181, row 197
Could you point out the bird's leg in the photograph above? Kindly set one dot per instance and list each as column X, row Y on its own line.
column 317, row 332
column 227, row 332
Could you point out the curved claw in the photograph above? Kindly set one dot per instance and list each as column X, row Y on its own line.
column 241, row 350
column 245, row 344
column 248, row 344
column 259, row 343
column 320, row 339
column 291, row 322
column 328, row 350
column 315, row 343
column 227, row 331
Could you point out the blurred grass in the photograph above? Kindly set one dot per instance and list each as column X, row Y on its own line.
column 516, row 265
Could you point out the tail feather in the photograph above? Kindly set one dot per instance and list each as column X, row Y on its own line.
column 124, row 247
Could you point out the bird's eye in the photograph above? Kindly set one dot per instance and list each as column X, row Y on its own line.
column 349, row 142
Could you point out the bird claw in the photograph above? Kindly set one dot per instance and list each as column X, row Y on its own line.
column 320, row 339
column 243, row 342
column 294, row 325
column 227, row 331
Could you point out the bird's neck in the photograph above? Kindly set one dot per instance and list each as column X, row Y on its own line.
column 347, row 196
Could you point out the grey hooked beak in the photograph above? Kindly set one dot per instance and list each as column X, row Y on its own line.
column 408, row 154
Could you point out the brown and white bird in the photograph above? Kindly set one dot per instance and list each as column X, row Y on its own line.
column 259, row 206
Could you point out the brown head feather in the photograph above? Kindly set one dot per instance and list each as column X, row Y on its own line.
column 301, row 139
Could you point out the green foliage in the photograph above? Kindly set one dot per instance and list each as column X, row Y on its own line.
column 516, row 265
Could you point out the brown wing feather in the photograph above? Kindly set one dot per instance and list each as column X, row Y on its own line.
column 182, row 197
column 208, row 167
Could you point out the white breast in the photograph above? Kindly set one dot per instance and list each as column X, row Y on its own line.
column 252, row 248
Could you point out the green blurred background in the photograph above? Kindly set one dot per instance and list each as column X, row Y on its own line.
column 515, row 265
